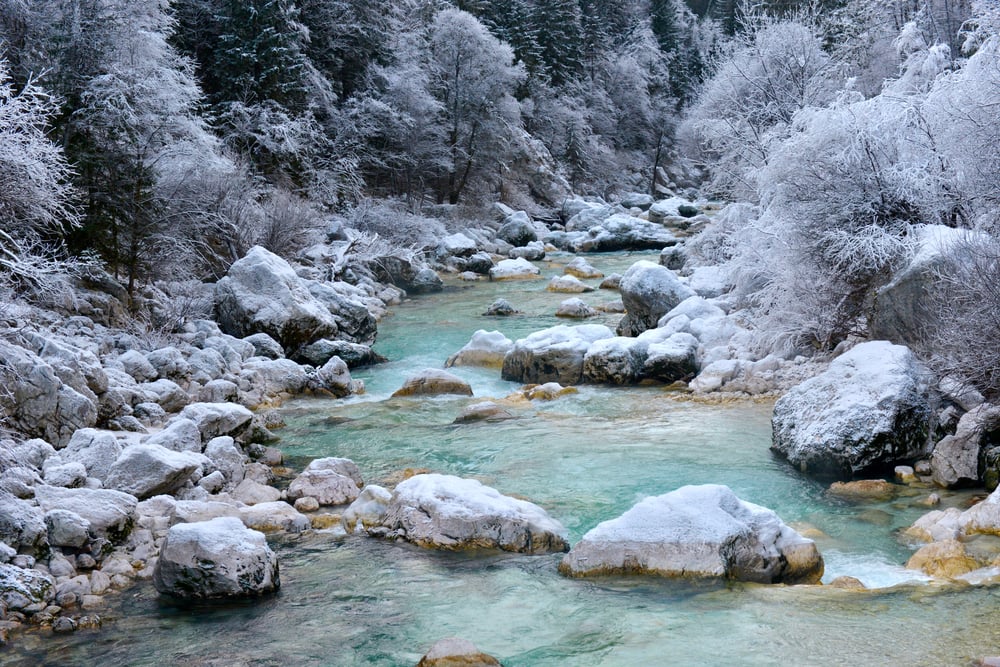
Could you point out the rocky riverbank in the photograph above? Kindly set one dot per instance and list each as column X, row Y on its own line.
column 120, row 440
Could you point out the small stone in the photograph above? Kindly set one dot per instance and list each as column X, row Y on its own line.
column 501, row 308
column 933, row 500
column 575, row 308
column 307, row 504
column 90, row 621
column 85, row 562
column 848, row 584
column 905, row 475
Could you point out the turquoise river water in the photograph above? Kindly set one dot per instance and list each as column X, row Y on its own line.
column 585, row 458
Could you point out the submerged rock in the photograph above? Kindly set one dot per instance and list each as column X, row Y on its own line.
column 487, row 411
column 220, row 558
column 697, row 531
column 870, row 409
column 455, row 652
column 447, row 512
column 434, row 382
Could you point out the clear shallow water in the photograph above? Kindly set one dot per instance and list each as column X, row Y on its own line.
column 585, row 458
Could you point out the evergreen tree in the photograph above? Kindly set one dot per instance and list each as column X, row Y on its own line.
column 559, row 30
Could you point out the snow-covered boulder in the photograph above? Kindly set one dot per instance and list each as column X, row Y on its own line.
column 150, row 470
column 170, row 363
column 480, row 263
column 673, row 359
column 615, row 360
column 870, row 409
column 581, row 268
column 456, row 245
column 485, row 348
column 568, row 284
column 262, row 294
column 697, row 531
column 355, row 322
column 265, row 346
column 166, row 393
column 447, row 512
column 213, row 559
column 517, row 230
column 514, row 269
column 180, row 434
column 328, row 487
column 501, row 308
column 37, row 402
column 22, row 524
column 335, row 377
column 617, row 232
column 575, row 308
column 455, row 652
column 434, row 382
column 639, row 200
column 226, row 458
column 649, row 291
column 96, row 450
column 67, row 529
column 215, row 419
column 552, row 355
column 354, row 354
column 276, row 516
column 111, row 513
column 534, row 251
column 22, row 588
column 368, row 510
column 587, row 215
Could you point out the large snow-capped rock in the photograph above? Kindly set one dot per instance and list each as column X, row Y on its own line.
column 870, row 409
column 448, row 512
column 514, row 269
column 517, row 230
column 552, row 355
column 262, row 294
column 220, row 558
column 649, row 291
column 697, row 531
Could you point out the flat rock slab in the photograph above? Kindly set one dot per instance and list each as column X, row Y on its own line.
column 697, row 531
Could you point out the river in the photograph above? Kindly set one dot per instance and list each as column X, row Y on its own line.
column 585, row 457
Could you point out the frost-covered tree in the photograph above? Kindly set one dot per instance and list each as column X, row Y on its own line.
column 747, row 106
column 473, row 77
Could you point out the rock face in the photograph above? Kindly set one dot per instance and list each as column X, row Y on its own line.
column 215, row 559
column 869, row 410
column 552, row 355
column 955, row 461
column 447, row 512
column 649, row 291
column 697, row 531
column 262, row 294
column 434, row 382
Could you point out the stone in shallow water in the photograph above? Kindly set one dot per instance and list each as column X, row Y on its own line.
column 455, row 652
column 220, row 558
column 448, row 512
column 864, row 489
column 433, row 382
column 697, row 531
column 501, row 308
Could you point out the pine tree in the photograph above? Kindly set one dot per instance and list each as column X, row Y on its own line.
column 559, row 30
column 259, row 57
